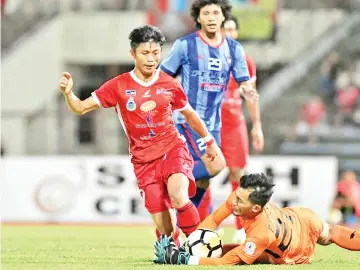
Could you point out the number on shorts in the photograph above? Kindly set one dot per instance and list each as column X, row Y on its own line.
column 201, row 144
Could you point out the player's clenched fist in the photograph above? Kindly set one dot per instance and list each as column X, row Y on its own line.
column 66, row 83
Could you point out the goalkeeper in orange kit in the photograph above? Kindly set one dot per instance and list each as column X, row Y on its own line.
column 274, row 235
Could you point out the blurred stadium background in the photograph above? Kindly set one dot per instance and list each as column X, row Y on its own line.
column 57, row 167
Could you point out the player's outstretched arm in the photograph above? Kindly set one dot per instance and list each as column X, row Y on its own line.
column 216, row 218
column 248, row 91
column 75, row 104
column 166, row 252
column 256, row 131
column 212, row 150
column 194, row 121
column 230, row 258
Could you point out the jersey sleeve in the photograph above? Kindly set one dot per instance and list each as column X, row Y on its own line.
column 251, row 67
column 105, row 96
column 252, row 248
column 240, row 70
column 179, row 100
column 217, row 217
column 230, row 258
column 174, row 60
column 246, row 253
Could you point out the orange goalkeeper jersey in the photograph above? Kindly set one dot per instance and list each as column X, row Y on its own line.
column 277, row 235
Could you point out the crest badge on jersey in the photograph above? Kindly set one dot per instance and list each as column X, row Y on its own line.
column 131, row 105
column 250, row 248
column 148, row 106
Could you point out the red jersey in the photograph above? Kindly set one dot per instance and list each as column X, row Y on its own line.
column 231, row 107
column 145, row 112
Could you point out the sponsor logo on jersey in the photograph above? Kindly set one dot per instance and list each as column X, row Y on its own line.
column 131, row 105
column 148, row 106
column 130, row 93
column 163, row 92
column 147, row 94
column 150, row 125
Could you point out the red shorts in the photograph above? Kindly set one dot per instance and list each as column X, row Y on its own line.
column 153, row 176
column 235, row 143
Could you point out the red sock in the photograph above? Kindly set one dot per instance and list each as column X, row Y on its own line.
column 205, row 205
column 234, row 186
column 345, row 237
column 188, row 218
column 175, row 236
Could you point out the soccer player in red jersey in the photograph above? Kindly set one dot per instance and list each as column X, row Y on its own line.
column 144, row 100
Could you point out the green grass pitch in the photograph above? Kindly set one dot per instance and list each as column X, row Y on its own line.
column 119, row 248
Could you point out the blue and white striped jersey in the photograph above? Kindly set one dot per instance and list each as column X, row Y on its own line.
column 205, row 71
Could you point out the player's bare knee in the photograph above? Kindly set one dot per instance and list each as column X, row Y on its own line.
column 235, row 174
column 325, row 236
column 178, row 199
column 177, row 188
column 215, row 169
column 178, row 193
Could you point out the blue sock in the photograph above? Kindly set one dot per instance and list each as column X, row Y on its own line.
column 198, row 196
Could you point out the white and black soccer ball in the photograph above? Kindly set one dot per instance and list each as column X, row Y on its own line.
column 204, row 243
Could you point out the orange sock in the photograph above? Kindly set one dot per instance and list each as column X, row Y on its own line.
column 345, row 237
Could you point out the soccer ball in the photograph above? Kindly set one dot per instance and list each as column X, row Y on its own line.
column 204, row 243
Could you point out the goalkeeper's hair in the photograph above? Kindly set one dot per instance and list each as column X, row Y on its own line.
column 261, row 187
column 199, row 4
column 147, row 33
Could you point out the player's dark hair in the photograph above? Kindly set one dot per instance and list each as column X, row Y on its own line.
column 235, row 20
column 145, row 34
column 199, row 4
column 262, row 187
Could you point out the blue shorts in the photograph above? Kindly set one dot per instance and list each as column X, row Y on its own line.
column 197, row 148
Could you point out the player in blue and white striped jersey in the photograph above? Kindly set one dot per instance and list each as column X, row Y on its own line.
column 206, row 60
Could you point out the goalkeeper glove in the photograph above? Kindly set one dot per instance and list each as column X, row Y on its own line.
column 167, row 252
